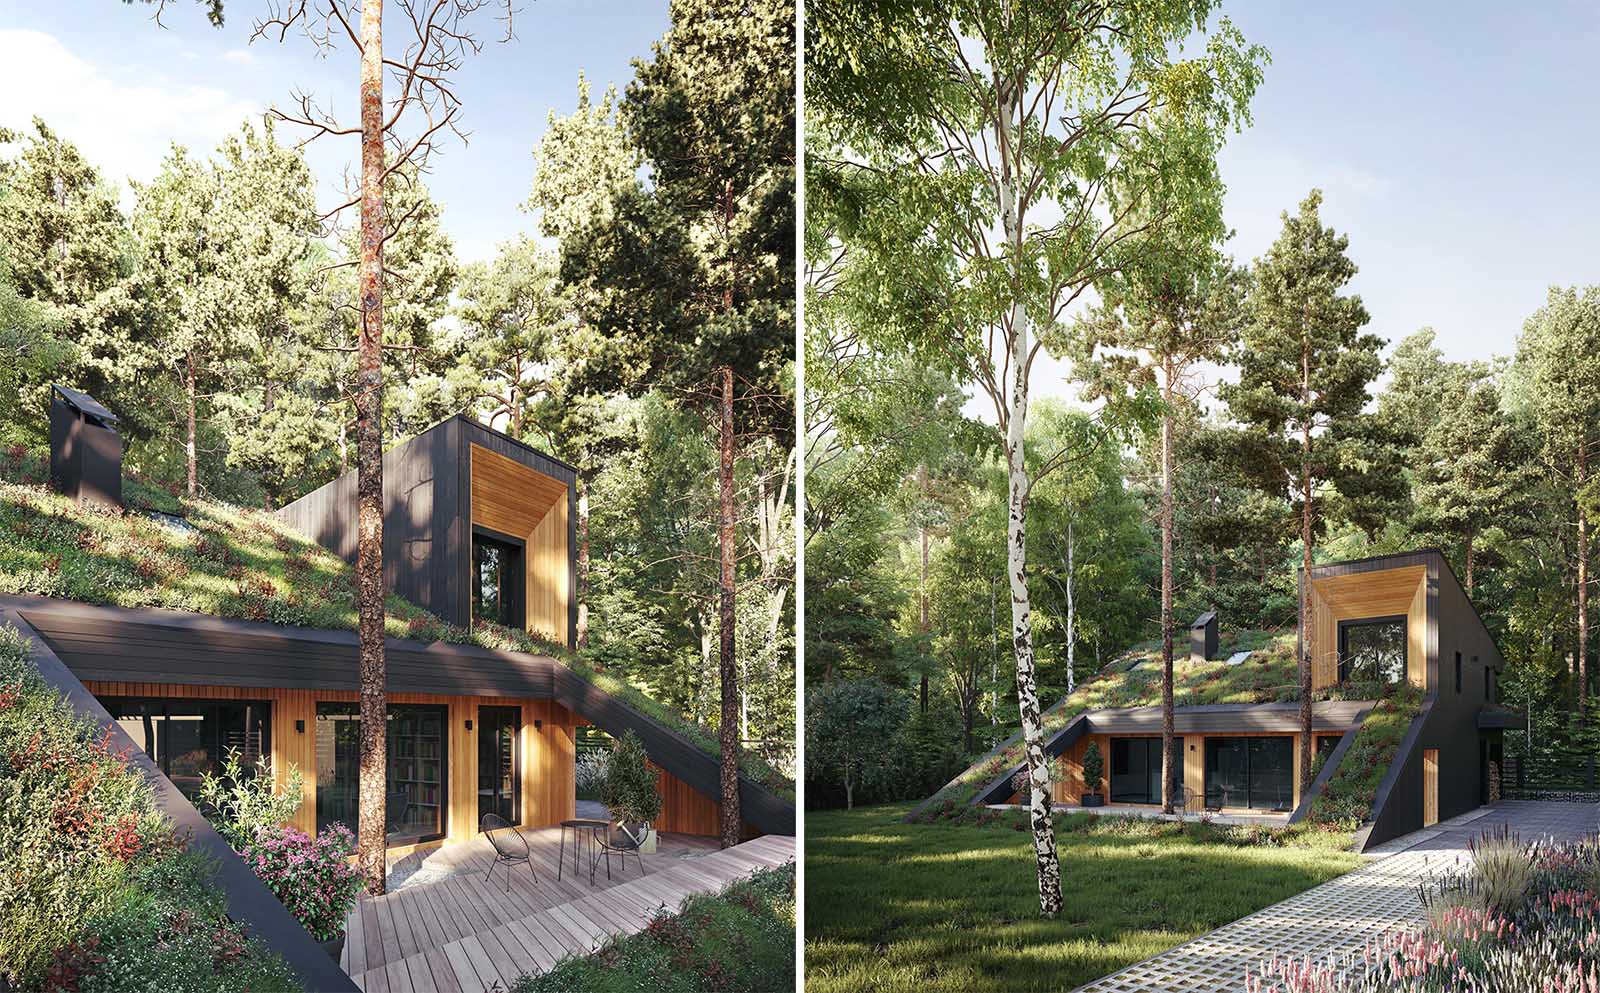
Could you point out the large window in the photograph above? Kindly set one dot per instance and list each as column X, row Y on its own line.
column 1136, row 769
column 497, row 578
column 189, row 738
column 1373, row 651
column 499, row 772
column 1257, row 773
column 417, row 786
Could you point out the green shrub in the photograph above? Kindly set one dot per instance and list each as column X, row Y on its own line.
column 240, row 805
column 97, row 893
column 739, row 939
column 1503, row 868
column 630, row 789
column 1346, row 800
column 1094, row 767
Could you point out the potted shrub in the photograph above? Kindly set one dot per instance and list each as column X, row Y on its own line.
column 1094, row 770
column 630, row 790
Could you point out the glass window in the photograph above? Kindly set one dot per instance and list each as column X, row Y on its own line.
column 499, row 772
column 497, row 580
column 417, row 786
column 1136, row 769
column 1256, row 773
column 1373, row 650
column 189, row 738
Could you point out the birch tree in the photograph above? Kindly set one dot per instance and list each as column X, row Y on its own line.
column 1022, row 146
column 396, row 134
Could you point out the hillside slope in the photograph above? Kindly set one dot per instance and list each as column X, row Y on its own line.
column 214, row 558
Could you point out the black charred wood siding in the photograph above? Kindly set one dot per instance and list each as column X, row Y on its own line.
column 157, row 646
column 427, row 514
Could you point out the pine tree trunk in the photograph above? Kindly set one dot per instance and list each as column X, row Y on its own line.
column 369, row 460
column 1469, row 563
column 729, row 822
column 583, row 562
column 1044, row 834
column 189, row 392
column 1306, row 601
column 922, row 595
column 1168, row 766
column 1582, row 480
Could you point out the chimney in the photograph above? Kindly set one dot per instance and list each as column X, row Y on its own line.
column 85, row 448
column 1203, row 637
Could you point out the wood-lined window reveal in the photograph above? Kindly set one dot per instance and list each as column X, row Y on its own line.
column 1373, row 650
column 188, row 739
column 499, row 768
column 512, row 500
column 418, row 784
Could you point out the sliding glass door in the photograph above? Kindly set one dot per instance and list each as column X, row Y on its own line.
column 417, row 786
column 1136, row 769
column 189, row 738
column 1254, row 773
column 499, row 772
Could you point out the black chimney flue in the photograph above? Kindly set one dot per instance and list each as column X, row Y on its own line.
column 85, row 448
column 1203, row 637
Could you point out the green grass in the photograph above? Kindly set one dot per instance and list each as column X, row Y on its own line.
column 941, row 908
column 1268, row 676
column 739, row 939
column 242, row 563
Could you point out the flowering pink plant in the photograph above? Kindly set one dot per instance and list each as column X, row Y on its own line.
column 311, row 876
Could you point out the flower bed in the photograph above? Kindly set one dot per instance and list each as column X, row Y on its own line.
column 97, row 893
column 1517, row 918
column 313, row 877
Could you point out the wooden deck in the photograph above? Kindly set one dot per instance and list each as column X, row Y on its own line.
column 461, row 934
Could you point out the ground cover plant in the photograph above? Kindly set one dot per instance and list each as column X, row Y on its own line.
column 739, row 939
column 97, row 892
column 1267, row 676
column 1514, row 917
column 952, row 906
column 1346, row 799
column 215, row 558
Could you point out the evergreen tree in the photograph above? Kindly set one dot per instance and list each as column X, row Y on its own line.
column 1304, row 370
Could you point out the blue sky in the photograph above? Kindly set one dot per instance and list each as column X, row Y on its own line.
column 107, row 77
column 1456, row 143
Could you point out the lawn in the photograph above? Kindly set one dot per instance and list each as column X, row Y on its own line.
column 942, row 908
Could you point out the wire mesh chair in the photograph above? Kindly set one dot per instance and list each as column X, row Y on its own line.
column 510, row 847
column 619, row 839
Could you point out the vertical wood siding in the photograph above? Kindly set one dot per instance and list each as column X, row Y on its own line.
column 514, row 499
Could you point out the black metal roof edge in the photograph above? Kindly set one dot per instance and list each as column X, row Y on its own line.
column 1320, row 783
column 1372, row 563
column 250, row 902
column 475, row 423
column 84, row 403
column 186, row 621
column 1402, row 755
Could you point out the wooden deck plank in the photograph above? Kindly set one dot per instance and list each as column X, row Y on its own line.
column 404, row 932
column 377, row 980
column 461, row 965
column 481, row 963
column 521, row 960
column 399, row 977
column 504, row 964
column 386, row 928
column 532, row 946
column 578, row 924
column 370, row 936
column 443, row 973
column 560, row 942
column 424, row 920
column 574, row 940
column 453, row 921
column 355, row 950
column 421, row 975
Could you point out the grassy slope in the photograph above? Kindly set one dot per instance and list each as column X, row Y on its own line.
column 239, row 563
column 948, row 909
column 1268, row 676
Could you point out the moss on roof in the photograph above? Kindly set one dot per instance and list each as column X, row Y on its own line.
column 1134, row 680
column 208, row 557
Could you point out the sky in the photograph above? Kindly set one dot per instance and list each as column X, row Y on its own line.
column 1455, row 143
column 122, row 88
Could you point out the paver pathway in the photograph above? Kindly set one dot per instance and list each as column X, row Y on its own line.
column 461, row 935
column 1343, row 913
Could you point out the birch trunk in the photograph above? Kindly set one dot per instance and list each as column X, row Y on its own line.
column 728, row 808
column 369, row 461
column 1044, row 835
column 1167, row 762
column 189, row 391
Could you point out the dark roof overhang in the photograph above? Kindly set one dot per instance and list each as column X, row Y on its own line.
column 1501, row 719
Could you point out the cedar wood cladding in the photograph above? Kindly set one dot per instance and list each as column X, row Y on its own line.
column 427, row 523
column 114, row 644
